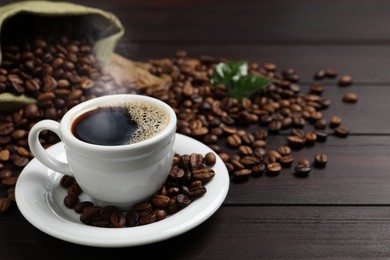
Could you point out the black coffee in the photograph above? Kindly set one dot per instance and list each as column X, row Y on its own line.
column 119, row 125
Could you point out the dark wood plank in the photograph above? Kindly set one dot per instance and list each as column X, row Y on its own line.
column 357, row 173
column 251, row 21
column 367, row 115
column 366, row 64
column 233, row 233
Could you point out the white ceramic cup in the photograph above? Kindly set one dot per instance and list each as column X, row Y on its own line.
column 119, row 175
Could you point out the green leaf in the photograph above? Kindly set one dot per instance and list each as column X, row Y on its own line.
column 226, row 73
column 239, row 84
column 247, row 85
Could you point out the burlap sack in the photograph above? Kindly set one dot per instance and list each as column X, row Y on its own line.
column 107, row 25
column 94, row 19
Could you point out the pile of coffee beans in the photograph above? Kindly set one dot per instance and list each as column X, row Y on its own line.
column 54, row 66
column 186, row 182
column 238, row 129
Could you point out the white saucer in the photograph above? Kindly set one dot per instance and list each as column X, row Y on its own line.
column 40, row 199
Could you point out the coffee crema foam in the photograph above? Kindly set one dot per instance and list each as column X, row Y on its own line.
column 150, row 119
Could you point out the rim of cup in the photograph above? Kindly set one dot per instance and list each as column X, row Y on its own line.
column 143, row 147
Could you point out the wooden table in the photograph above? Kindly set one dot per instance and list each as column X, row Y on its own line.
column 338, row 212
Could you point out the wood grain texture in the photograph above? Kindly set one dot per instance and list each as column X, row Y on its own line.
column 365, row 63
column 295, row 232
column 357, row 173
column 251, row 21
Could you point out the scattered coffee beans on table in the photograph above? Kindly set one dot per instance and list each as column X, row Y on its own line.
column 238, row 129
column 49, row 62
column 186, row 182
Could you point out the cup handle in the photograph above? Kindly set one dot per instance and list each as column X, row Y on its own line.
column 40, row 153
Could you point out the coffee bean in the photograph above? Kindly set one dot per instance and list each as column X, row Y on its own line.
column 74, row 189
column 299, row 122
column 172, row 207
column 23, row 152
column 275, row 126
column 5, row 173
column 210, row 139
column 131, row 218
column 118, row 220
column 302, row 170
column 322, row 135
column 183, row 200
column 196, row 160
column 143, row 208
column 44, row 97
column 298, row 132
column 286, row 160
column 319, row 74
column 317, row 89
column 245, row 150
column 224, row 156
column 210, row 159
column 247, row 138
column 4, row 155
column 71, row 200
column 199, row 132
column 234, row 140
column 345, row 80
column 107, row 211
column 315, row 116
column 258, row 169
column 350, row 97
column 269, row 158
column 229, row 167
column 341, row 131
column 6, row 128
column 274, row 168
column 242, row 174
column 259, row 143
column 160, row 214
column 5, row 204
column 295, row 142
column 270, row 66
column 284, row 150
column 197, row 192
column 335, row 121
column 310, row 138
column 18, row 134
column 205, row 175
column 100, row 222
column 10, row 181
column 249, row 160
column 320, row 160
column 147, row 219
column 67, row 181
column 330, row 73
column 176, row 173
column 215, row 148
column 89, row 213
column 275, row 154
column 19, row 161
column 304, row 161
column 31, row 111
column 79, row 207
column 261, row 134
column 160, row 201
